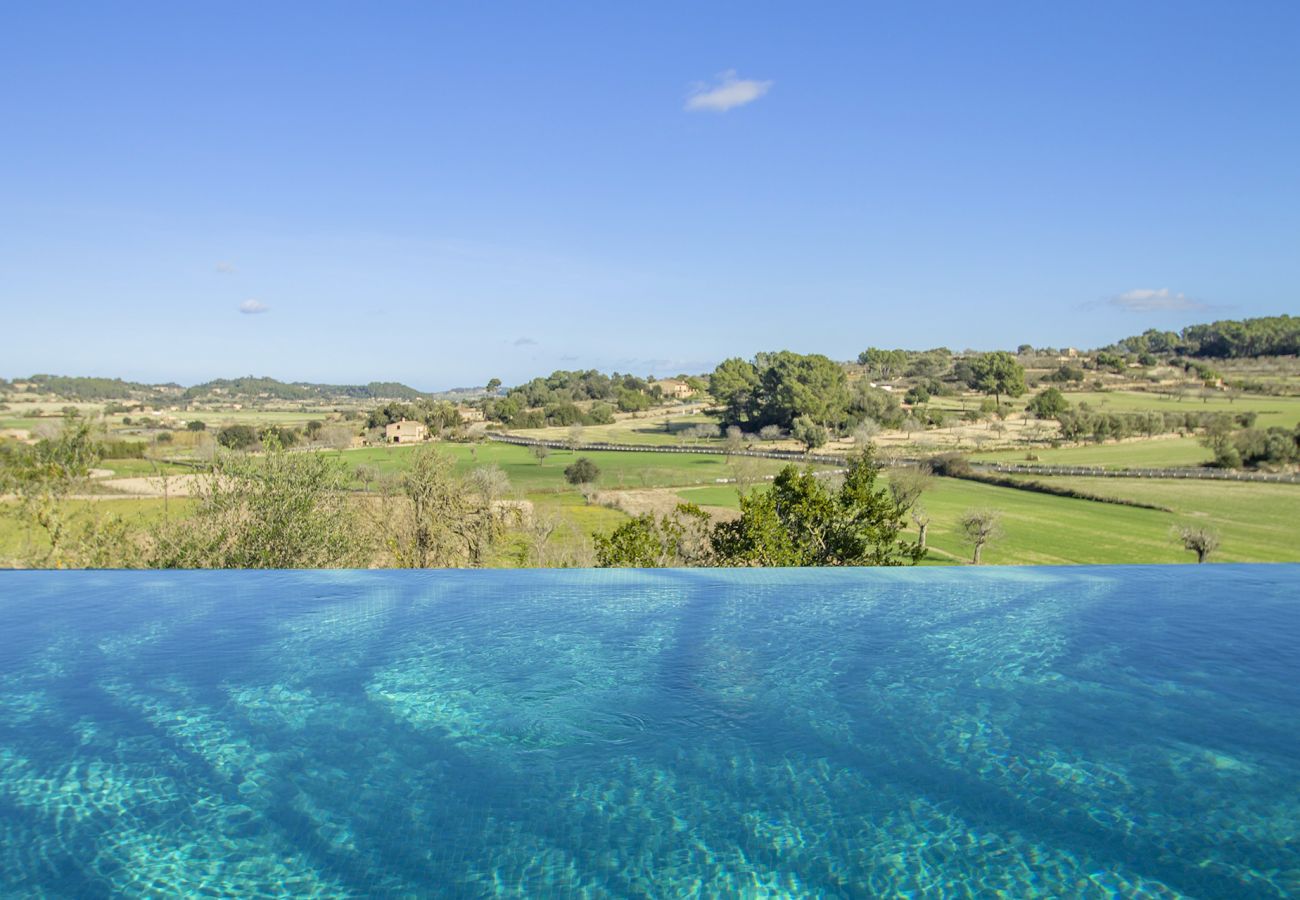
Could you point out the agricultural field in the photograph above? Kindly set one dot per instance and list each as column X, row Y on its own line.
column 617, row 469
column 1162, row 451
column 1255, row 521
column 652, row 428
column 1283, row 411
column 16, row 540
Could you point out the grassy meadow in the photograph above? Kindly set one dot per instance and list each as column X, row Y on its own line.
column 1283, row 411
column 1255, row 521
column 1164, row 451
column 617, row 469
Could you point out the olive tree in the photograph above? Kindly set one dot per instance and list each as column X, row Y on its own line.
column 1201, row 541
column 978, row 528
column 279, row 510
column 42, row 477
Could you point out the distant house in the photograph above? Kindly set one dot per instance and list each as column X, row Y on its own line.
column 470, row 413
column 675, row 388
column 406, row 431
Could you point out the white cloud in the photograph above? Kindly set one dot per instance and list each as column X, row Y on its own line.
column 1155, row 300
column 728, row 93
column 253, row 307
column 225, row 268
column 525, row 342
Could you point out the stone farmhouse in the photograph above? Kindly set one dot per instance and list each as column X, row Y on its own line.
column 406, row 431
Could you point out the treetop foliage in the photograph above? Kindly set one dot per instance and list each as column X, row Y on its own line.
column 802, row 520
column 778, row 388
column 1225, row 339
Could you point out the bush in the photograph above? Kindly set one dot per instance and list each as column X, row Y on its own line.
column 582, row 471
column 196, row 425
column 1048, row 404
column 952, row 465
column 237, row 437
column 122, row 450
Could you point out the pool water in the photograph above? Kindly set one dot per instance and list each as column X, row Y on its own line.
column 1090, row 732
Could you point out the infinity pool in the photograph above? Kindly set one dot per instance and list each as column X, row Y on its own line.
column 842, row 733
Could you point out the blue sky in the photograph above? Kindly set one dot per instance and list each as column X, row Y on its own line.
column 442, row 193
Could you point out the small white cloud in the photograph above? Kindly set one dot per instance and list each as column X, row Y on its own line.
column 1155, row 300
column 225, row 268
column 525, row 342
column 728, row 93
column 253, row 307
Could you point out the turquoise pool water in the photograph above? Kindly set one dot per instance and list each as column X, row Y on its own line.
column 1041, row 732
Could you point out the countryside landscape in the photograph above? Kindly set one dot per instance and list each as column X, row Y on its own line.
column 1162, row 447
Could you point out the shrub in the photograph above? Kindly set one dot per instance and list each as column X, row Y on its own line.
column 581, row 471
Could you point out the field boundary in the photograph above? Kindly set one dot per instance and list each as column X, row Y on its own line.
column 790, row 455
column 839, row 460
column 1101, row 472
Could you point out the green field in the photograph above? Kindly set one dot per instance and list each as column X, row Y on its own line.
column 649, row 428
column 617, row 469
column 1284, row 411
column 16, row 539
column 1256, row 521
column 1160, row 452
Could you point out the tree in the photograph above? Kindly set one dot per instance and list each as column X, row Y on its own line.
column 884, row 364
column 423, row 532
column 337, row 437
column 1218, row 438
column 283, row 435
column 734, row 384
column 493, row 385
column 778, row 388
column 677, row 539
column 237, row 437
column 809, row 433
column 277, row 511
column 574, row 439
column 196, row 425
column 1048, row 404
column 366, row 474
column 865, row 431
column 922, row 519
column 735, row 440
column 1201, row 541
column 486, row 521
column 908, row 483
column 979, row 527
column 541, row 451
column 997, row 373
column 792, row 386
column 801, row 521
column 581, row 472
column 44, row 475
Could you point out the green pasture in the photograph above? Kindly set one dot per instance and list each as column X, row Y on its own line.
column 1147, row 453
column 650, row 428
column 618, row 469
column 1255, row 521
column 1284, row 411
column 18, row 541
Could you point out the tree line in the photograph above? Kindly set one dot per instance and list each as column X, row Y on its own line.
column 1225, row 339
